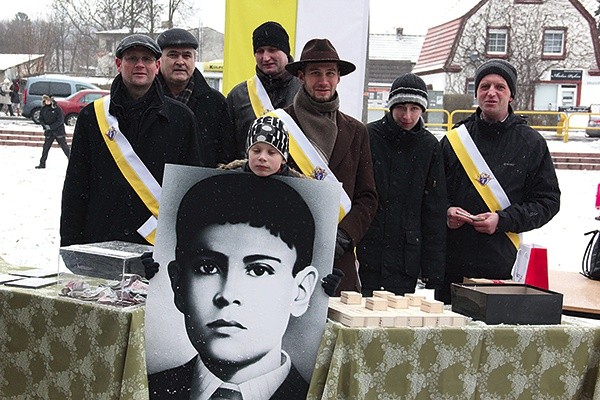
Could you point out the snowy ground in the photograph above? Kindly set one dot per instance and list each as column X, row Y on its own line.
column 30, row 209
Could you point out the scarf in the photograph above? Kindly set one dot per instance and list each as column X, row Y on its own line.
column 318, row 121
column 185, row 94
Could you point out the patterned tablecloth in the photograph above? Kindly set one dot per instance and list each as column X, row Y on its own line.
column 52, row 347
column 473, row 362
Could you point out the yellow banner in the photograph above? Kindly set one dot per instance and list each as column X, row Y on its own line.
column 241, row 18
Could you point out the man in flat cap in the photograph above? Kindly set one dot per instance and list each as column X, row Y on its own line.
column 272, row 87
column 182, row 81
column 332, row 146
column 120, row 147
column 500, row 178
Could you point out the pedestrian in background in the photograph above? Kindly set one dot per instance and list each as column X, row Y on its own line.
column 15, row 98
column 5, row 103
column 52, row 120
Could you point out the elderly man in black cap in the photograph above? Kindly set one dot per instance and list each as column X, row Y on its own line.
column 407, row 238
column 184, row 82
column 120, row 147
column 272, row 87
column 332, row 146
column 500, row 178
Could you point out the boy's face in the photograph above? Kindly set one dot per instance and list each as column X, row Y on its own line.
column 237, row 292
column 264, row 159
column 406, row 115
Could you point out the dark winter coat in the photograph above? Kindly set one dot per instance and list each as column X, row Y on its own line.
column 281, row 91
column 215, row 129
column 407, row 237
column 521, row 162
column 98, row 204
column 350, row 162
column 52, row 116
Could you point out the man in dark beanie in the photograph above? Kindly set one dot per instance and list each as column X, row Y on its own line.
column 272, row 86
column 500, row 178
column 184, row 82
column 407, row 238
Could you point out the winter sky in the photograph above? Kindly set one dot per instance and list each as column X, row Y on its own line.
column 414, row 16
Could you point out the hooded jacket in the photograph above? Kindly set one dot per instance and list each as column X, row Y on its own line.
column 98, row 204
column 407, row 237
column 520, row 160
column 281, row 91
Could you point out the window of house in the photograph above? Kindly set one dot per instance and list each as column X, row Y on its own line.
column 554, row 42
column 471, row 90
column 497, row 41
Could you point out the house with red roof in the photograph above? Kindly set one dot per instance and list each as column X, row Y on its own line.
column 553, row 44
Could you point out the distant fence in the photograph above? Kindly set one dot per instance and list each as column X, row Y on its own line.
column 560, row 122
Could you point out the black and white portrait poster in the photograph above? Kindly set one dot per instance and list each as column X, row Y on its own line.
column 237, row 305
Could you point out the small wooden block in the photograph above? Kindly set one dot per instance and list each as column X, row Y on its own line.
column 376, row 304
column 432, row 306
column 397, row 301
column 414, row 300
column 349, row 297
column 382, row 293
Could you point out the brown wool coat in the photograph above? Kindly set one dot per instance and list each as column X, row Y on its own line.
column 351, row 163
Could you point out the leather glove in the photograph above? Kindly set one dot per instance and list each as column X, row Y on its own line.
column 150, row 266
column 343, row 243
column 331, row 282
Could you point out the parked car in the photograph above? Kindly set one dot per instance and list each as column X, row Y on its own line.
column 593, row 122
column 72, row 105
column 52, row 85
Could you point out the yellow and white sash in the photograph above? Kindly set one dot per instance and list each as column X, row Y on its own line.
column 309, row 160
column 480, row 174
column 132, row 168
column 259, row 99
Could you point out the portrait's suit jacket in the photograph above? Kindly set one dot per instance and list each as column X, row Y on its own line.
column 176, row 383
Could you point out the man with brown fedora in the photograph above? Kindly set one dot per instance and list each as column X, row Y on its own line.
column 332, row 146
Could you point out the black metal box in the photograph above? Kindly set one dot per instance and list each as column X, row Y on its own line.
column 507, row 303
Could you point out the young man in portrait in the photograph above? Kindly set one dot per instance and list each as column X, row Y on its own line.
column 242, row 269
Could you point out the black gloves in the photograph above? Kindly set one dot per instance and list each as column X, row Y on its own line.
column 343, row 243
column 331, row 282
column 150, row 266
column 432, row 283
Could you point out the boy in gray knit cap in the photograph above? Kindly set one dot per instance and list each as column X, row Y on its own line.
column 407, row 238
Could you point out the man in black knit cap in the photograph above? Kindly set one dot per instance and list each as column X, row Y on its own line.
column 272, row 87
column 500, row 178
column 407, row 238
